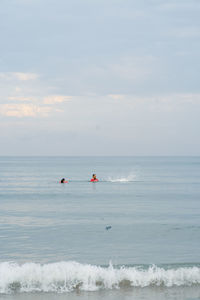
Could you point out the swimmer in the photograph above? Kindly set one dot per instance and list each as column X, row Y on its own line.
column 94, row 178
column 63, row 180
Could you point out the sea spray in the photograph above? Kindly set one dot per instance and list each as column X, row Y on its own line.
column 129, row 178
column 67, row 276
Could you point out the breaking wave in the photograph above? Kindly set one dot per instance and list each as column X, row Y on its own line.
column 68, row 276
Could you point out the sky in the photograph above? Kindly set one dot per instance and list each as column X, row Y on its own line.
column 99, row 77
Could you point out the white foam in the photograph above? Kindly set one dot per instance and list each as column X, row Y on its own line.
column 67, row 276
column 129, row 178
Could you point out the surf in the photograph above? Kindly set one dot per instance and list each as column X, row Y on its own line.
column 68, row 276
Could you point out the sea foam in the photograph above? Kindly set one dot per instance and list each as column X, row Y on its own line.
column 128, row 178
column 68, row 276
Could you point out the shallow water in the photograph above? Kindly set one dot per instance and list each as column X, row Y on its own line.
column 181, row 293
column 151, row 204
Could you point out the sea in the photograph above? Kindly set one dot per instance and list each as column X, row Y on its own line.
column 135, row 234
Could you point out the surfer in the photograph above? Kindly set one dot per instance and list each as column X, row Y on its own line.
column 94, row 178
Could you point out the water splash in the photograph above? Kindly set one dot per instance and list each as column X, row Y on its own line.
column 129, row 178
column 67, row 276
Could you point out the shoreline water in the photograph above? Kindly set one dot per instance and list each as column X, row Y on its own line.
column 154, row 293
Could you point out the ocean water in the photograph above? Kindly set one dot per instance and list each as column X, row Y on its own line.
column 53, row 238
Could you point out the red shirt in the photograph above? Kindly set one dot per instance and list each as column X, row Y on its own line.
column 94, row 180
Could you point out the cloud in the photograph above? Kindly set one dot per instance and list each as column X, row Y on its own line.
column 134, row 68
column 49, row 105
column 34, row 108
column 18, row 89
column 116, row 96
column 170, row 102
column 177, row 5
column 25, row 76
column 56, row 99
column 18, row 76
column 18, row 98
column 24, row 110
column 185, row 32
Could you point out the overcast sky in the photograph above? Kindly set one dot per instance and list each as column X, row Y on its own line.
column 99, row 77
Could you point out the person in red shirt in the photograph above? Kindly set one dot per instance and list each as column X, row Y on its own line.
column 94, row 178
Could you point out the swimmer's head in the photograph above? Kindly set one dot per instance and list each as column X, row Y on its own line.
column 62, row 180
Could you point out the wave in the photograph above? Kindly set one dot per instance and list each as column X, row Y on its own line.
column 68, row 276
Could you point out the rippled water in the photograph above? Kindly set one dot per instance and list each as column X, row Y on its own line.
column 151, row 206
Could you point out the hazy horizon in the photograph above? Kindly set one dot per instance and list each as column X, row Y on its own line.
column 114, row 156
